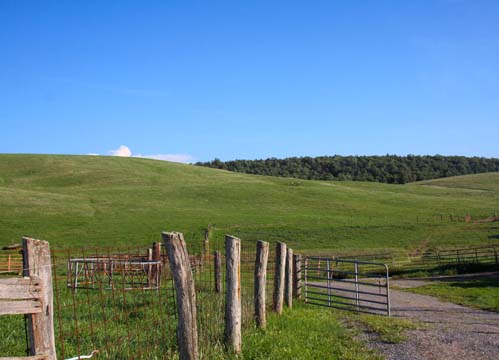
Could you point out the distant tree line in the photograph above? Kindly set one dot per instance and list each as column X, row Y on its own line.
column 390, row 169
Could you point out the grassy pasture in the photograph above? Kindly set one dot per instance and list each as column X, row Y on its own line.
column 109, row 201
column 482, row 293
column 141, row 324
column 84, row 201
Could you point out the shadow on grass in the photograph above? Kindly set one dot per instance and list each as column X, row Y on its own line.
column 468, row 268
column 480, row 283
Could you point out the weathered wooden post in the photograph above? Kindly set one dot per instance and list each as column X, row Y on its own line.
column 187, row 333
column 36, row 263
column 262, row 255
column 217, row 259
column 156, row 256
column 297, row 276
column 233, row 293
column 280, row 264
column 156, row 251
column 149, row 268
column 288, row 282
column 205, row 257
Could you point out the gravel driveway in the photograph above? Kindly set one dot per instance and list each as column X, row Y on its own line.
column 451, row 332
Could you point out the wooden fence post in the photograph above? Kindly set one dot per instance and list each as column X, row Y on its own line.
column 36, row 263
column 280, row 263
column 297, row 276
column 218, row 274
column 156, row 251
column 288, row 282
column 187, row 334
column 262, row 255
column 233, row 293
column 149, row 268
column 156, row 256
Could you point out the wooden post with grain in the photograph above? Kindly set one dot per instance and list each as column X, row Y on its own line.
column 37, row 264
column 156, row 256
column 262, row 255
column 187, row 334
column 206, row 242
column 280, row 264
column 217, row 263
column 297, row 276
column 288, row 279
column 149, row 269
column 233, row 293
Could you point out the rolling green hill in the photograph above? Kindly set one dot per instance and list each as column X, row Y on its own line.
column 110, row 201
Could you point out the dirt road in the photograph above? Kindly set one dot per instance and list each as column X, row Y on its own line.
column 451, row 332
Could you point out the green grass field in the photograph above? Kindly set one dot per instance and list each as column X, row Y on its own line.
column 110, row 201
column 84, row 201
column 481, row 294
column 305, row 332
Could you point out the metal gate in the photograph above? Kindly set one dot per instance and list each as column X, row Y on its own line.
column 354, row 285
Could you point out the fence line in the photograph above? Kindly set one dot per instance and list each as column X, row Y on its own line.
column 487, row 255
column 122, row 302
column 11, row 262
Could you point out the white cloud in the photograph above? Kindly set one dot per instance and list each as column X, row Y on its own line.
column 123, row 151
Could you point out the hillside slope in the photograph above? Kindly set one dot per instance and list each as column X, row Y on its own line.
column 107, row 201
column 486, row 182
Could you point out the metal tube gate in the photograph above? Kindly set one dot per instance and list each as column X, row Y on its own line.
column 354, row 285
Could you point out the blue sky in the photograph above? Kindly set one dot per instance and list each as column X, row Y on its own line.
column 197, row 80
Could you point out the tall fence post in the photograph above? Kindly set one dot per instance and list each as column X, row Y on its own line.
column 288, row 286
column 187, row 334
column 280, row 264
column 297, row 276
column 233, row 293
column 156, row 256
column 149, row 268
column 262, row 255
column 206, row 246
column 36, row 262
column 217, row 263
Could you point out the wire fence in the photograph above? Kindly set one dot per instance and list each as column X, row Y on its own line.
column 112, row 310
column 117, row 303
column 11, row 262
column 486, row 256
column 210, row 303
